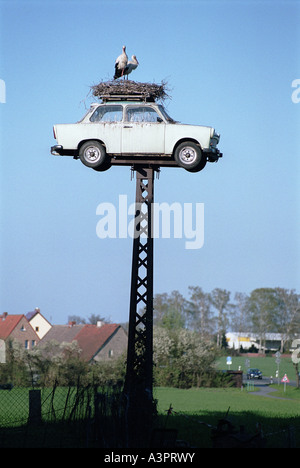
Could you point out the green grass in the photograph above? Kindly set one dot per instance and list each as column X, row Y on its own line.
column 14, row 405
column 267, row 365
column 218, row 400
column 194, row 409
column 288, row 391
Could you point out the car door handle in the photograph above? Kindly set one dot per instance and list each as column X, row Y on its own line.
column 127, row 126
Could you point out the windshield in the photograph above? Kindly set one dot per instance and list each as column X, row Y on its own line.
column 87, row 112
column 164, row 113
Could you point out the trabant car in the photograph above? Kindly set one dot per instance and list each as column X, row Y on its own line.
column 135, row 129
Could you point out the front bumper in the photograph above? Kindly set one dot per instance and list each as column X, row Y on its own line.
column 213, row 155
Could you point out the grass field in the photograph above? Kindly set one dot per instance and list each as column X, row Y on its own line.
column 194, row 409
column 267, row 365
column 194, row 413
column 14, row 404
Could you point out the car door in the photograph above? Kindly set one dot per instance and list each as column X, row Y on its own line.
column 107, row 121
column 143, row 131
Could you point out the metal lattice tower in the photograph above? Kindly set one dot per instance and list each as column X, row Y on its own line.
column 139, row 373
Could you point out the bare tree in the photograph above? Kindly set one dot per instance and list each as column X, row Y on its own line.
column 288, row 314
column 170, row 310
column 200, row 314
column 262, row 313
column 220, row 300
column 239, row 321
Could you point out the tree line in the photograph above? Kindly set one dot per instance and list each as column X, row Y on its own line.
column 188, row 336
column 212, row 314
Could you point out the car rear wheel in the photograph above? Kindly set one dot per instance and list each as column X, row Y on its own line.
column 190, row 156
column 92, row 154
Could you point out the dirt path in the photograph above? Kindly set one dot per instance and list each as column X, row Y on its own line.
column 265, row 390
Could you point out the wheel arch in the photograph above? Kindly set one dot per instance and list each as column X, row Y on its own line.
column 183, row 140
column 89, row 139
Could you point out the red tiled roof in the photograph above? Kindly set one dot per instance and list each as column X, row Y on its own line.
column 61, row 333
column 92, row 338
column 8, row 324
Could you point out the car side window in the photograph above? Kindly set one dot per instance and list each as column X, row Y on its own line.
column 107, row 114
column 142, row 114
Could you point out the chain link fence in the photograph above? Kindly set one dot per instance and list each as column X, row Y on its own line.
column 61, row 417
column 90, row 417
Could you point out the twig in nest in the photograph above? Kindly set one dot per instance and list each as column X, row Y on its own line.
column 149, row 91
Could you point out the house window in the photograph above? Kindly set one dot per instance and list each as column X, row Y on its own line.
column 110, row 353
column 33, row 343
column 23, row 328
column 37, row 329
column 26, row 344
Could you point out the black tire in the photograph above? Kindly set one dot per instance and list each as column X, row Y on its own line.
column 92, row 154
column 190, row 156
column 104, row 166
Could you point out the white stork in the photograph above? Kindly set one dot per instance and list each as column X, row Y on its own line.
column 120, row 64
column 131, row 65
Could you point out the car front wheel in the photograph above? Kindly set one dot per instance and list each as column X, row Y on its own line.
column 92, row 154
column 189, row 156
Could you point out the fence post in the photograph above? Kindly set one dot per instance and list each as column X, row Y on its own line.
column 291, row 437
column 35, row 410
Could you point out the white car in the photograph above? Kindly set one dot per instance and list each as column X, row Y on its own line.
column 122, row 129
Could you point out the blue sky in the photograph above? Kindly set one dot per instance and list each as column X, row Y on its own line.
column 228, row 64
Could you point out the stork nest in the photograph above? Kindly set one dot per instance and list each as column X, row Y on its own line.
column 128, row 88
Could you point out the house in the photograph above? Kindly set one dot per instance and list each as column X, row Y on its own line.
column 2, row 352
column 101, row 342
column 40, row 325
column 61, row 333
column 17, row 327
column 272, row 341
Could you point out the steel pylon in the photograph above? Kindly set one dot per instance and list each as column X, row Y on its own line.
column 138, row 388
